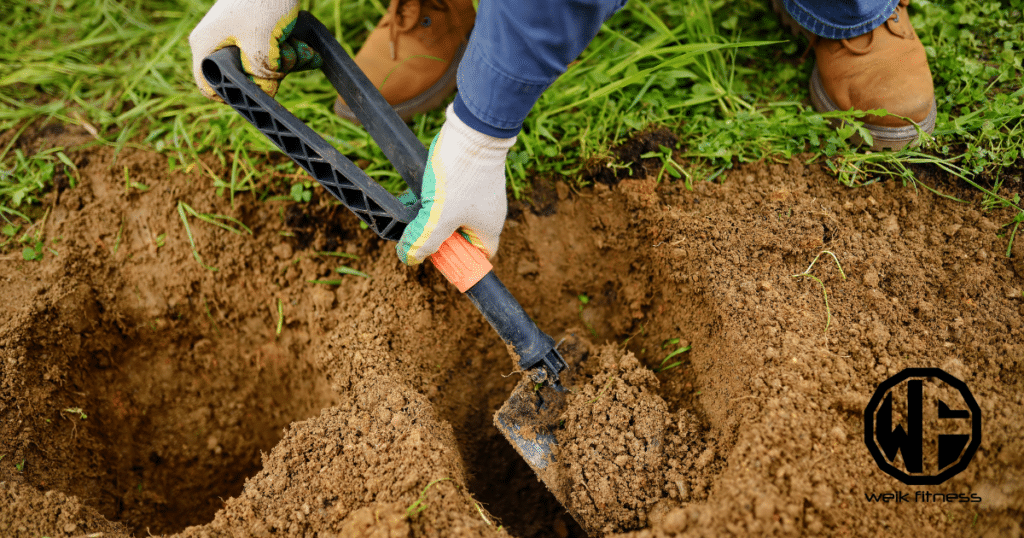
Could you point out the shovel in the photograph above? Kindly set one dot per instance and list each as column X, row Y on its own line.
column 534, row 404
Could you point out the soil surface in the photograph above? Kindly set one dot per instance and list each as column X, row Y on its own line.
column 143, row 393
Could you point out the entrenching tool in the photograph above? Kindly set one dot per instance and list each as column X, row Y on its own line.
column 524, row 418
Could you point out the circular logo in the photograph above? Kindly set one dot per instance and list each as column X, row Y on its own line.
column 922, row 426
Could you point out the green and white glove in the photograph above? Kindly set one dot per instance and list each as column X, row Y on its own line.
column 463, row 189
column 260, row 28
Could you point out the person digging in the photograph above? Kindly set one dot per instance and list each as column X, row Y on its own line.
column 868, row 57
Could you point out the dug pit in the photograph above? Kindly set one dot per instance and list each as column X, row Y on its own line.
column 250, row 401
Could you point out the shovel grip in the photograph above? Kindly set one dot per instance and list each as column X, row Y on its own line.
column 460, row 262
column 374, row 205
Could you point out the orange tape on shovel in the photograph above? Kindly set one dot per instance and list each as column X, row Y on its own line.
column 460, row 262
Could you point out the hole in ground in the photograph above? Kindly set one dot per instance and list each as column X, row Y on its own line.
column 510, row 490
column 178, row 416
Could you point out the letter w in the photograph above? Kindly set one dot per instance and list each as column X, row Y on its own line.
column 896, row 440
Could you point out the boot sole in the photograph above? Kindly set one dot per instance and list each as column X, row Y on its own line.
column 894, row 138
column 882, row 137
column 430, row 99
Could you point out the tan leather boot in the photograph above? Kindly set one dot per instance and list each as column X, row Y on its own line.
column 885, row 68
column 413, row 54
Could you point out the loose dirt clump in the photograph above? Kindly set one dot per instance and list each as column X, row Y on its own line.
column 142, row 391
column 613, row 441
column 630, row 157
column 27, row 509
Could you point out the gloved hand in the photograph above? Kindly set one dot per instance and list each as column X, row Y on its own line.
column 260, row 28
column 463, row 189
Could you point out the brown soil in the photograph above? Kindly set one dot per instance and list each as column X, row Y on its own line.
column 368, row 413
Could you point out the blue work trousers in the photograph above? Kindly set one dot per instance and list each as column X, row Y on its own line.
column 840, row 20
column 519, row 47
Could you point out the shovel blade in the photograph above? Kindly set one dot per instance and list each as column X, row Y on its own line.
column 526, row 420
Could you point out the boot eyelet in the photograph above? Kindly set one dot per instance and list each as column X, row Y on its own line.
column 425, row 22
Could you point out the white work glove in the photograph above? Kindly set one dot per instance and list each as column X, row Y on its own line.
column 260, row 28
column 463, row 189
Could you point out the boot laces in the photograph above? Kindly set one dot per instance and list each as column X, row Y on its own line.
column 890, row 24
column 404, row 15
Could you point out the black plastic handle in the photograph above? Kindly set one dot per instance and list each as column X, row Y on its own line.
column 373, row 204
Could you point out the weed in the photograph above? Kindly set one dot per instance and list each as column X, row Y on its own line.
column 824, row 292
column 662, row 367
column 120, row 231
column 601, row 393
column 301, row 192
column 209, row 219
column 642, row 330
column 667, row 163
column 20, row 466
column 33, row 253
column 481, row 512
column 339, row 255
column 280, row 317
column 1016, row 224
column 191, row 240
column 129, row 185
column 215, row 220
column 584, row 301
column 76, row 411
column 209, row 315
column 161, row 240
column 420, row 504
column 346, row 270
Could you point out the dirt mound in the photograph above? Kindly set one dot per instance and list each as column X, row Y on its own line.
column 355, row 471
column 613, row 441
column 251, row 400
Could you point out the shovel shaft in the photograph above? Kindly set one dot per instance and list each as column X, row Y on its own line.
column 533, row 347
column 467, row 268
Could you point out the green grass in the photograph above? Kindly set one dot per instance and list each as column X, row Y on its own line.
column 602, row 391
column 824, row 292
column 723, row 76
column 280, row 318
column 76, row 411
column 343, row 270
column 678, row 351
column 420, row 504
column 208, row 218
